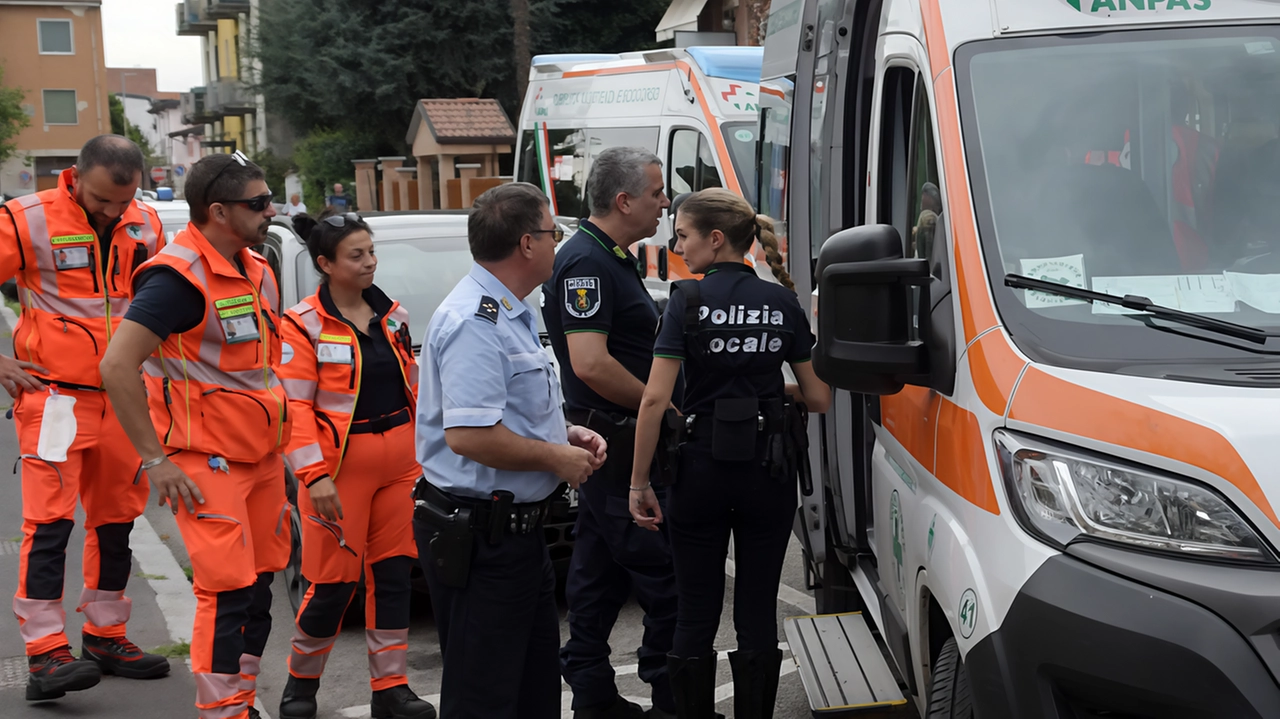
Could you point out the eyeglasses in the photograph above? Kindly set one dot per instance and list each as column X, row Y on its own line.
column 257, row 204
column 557, row 233
column 343, row 219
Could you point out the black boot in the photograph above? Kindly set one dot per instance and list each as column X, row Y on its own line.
column 755, row 682
column 619, row 708
column 693, row 682
column 399, row 702
column 56, row 672
column 299, row 698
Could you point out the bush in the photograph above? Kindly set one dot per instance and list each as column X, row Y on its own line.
column 324, row 157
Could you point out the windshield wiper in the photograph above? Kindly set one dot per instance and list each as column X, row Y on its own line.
column 1142, row 304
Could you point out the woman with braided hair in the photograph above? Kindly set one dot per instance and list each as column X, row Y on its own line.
column 732, row 477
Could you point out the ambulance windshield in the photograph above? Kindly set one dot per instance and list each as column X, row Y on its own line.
column 1141, row 163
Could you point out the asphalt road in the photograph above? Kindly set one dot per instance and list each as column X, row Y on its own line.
column 163, row 609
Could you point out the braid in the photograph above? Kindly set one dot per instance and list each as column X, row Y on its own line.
column 769, row 242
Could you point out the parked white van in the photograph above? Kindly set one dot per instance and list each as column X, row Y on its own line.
column 1045, row 235
column 696, row 108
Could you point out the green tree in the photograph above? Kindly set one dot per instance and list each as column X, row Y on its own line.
column 134, row 133
column 12, row 119
column 324, row 157
column 275, row 168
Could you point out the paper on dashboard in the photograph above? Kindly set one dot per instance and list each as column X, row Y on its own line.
column 1258, row 291
column 1189, row 293
column 1068, row 270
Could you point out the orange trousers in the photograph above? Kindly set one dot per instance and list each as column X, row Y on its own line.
column 236, row 540
column 101, row 469
column 375, row 535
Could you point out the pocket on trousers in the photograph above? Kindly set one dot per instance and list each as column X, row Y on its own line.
column 632, row 545
column 219, row 552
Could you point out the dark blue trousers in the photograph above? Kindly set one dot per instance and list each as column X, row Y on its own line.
column 612, row 558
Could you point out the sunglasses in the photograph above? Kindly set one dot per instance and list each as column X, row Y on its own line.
column 557, row 234
column 343, row 219
column 257, row 204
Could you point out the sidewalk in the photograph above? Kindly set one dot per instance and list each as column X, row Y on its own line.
column 166, row 698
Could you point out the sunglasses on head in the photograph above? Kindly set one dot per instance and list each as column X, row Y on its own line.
column 343, row 219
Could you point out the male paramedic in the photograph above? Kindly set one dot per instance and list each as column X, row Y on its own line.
column 217, row 424
column 73, row 250
column 494, row 446
column 602, row 324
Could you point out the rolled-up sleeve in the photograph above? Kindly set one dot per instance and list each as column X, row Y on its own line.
column 473, row 375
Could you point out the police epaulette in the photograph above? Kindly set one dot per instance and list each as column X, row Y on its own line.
column 488, row 309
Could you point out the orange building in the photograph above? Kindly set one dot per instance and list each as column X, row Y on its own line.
column 54, row 53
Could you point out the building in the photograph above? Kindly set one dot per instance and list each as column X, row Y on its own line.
column 158, row 116
column 713, row 22
column 54, row 52
column 229, row 115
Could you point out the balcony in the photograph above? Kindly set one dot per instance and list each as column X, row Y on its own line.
column 192, row 21
column 230, row 97
column 228, row 9
column 195, row 108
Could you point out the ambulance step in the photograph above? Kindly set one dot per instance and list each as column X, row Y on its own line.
column 843, row 671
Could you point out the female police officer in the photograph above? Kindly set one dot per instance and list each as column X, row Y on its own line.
column 349, row 371
column 729, row 476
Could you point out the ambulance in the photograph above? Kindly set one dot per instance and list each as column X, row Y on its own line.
column 696, row 108
column 1045, row 237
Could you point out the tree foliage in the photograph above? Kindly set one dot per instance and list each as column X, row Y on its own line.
column 357, row 67
column 12, row 119
column 324, row 157
column 133, row 132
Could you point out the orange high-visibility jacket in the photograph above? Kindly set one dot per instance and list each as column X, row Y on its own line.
column 213, row 389
column 70, row 306
column 323, row 395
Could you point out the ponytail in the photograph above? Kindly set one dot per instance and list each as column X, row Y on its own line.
column 772, row 254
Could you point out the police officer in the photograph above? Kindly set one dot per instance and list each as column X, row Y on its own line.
column 494, row 445
column 601, row 320
column 734, row 471
column 211, row 421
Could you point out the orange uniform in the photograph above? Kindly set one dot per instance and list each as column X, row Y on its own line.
column 372, row 462
column 72, row 302
column 222, row 416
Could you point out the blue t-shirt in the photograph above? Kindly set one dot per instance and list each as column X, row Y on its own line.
column 747, row 328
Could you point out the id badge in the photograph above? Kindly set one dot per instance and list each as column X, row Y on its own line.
column 239, row 324
column 71, row 258
column 333, row 353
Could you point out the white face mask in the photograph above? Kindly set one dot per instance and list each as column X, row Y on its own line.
column 57, row 428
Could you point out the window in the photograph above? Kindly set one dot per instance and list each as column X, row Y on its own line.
column 691, row 165
column 55, row 37
column 895, row 128
column 925, row 196
column 567, row 160
column 60, row 107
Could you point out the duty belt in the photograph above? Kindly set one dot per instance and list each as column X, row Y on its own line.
column 523, row 518
column 599, row 421
column 385, row 423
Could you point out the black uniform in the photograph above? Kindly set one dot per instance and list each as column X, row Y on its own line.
column 733, row 358
column 596, row 288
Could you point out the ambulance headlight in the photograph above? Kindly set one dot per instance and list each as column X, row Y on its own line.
column 1062, row 495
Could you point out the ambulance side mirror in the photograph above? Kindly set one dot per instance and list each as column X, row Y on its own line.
column 868, row 324
column 662, row 263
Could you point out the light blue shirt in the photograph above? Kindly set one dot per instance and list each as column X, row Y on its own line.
column 482, row 364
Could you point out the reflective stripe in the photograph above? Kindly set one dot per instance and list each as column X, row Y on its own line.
column 250, row 667
column 82, row 308
column 42, row 247
column 185, row 253
column 388, row 652
column 300, row 389
column 149, row 237
column 104, row 608
column 38, row 618
column 309, row 654
column 269, row 290
column 380, row 640
column 304, row 456
column 413, row 374
column 311, row 322
column 327, row 401
column 247, row 380
column 217, row 696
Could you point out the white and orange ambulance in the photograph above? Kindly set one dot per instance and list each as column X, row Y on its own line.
column 696, row 108
column 1046, row 239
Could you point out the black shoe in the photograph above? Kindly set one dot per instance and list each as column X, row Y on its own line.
column 619, row 708
column 659, row 713
column 119, row 656
column 56, row 672
column 253, row 713
column 399, row 702
column 298, row 701
column 693, row 682
column 755, row 683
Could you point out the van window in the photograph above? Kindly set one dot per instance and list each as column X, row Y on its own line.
column 895, row 130
column 925, row 198
column 775, row 150
column 691, row 163
column 567, row 160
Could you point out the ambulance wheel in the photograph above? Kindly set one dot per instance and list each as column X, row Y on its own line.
column 949, row 696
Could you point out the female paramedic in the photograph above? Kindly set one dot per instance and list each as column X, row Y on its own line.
column 348, row 368
column 736, row 468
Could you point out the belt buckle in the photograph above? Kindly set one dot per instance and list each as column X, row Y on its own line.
column 379, row 425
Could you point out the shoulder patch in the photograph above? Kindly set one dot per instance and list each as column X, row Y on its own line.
column 488, row 309
column 582, row 296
